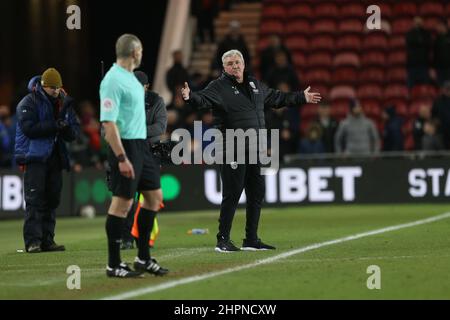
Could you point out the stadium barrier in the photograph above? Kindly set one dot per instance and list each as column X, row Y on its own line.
column 387, row 178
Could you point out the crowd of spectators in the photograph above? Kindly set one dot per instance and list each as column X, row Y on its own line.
column 355, row 134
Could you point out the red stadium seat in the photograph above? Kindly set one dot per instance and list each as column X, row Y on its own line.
column 352, row 10
column 276, row 11
column 349, row 43
column 431, row 8
column 327, row 26
column 308, row 111
column 405, row 8
column 342, row 92
column 369, row 91
column 322, row 89
column 263, row 42
column 320, row 76
column 344, row 76
column 397, row 58
column 396, row 75
column 301, row 10
column 371, row 111
column 413, row 110
column 351, row 26
column 326, row 10
column 396, row 91
column 409, row 141
column 340, row 108
column 322, row 42
column 374, row 58
column 271, row 26
column 402, row 110
column 423, row 91
column 298, row 27
column 375, row 40
column 386, row 10
column 299, row 59
column 320, row 59
column 397, row 42
column 431, row 23
column 401, row 25
column 297, row 43
column 372, row 75
column 346, row 59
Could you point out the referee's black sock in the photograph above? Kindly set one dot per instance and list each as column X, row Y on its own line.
column 114, row 227
column 145, row 222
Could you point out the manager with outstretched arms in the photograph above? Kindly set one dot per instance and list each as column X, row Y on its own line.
column 238, row 101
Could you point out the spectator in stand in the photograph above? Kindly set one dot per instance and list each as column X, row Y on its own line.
column 441, row 112
column 312, row 143
column 205, row 11
column 82, row 155
column 184, row 112
column 234, row 40
column 357, row 134
column 90, row 124
column 7, row 137
column 418, row 48
column 418, row 125
column 282, row 71
column 441, row 57
column 392, row 134
column 328, row 126
column 177, row 75
column 268, row 55
column 431, row 141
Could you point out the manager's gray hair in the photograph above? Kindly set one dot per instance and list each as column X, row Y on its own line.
column 231, row 53
column 126, row 44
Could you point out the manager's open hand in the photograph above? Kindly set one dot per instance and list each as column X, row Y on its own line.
column 312, row 97
column 185, row 91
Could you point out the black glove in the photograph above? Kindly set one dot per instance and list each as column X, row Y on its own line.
column 61, row 124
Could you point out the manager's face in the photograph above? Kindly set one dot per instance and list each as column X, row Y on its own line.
column 235, row 66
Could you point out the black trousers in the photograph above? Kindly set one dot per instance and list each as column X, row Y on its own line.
column 234, row 181
column 42, row 188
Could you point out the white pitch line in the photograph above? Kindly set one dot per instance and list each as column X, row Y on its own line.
column 176, row 283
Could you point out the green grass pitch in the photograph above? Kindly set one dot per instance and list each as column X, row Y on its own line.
column 414, row 261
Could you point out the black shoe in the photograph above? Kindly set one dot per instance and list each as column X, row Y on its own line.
column 151, row 266
column 34, row 248
column 122, row 271
column 53, row 247
column 255, row 245
column 127, row 245
column 224, row 245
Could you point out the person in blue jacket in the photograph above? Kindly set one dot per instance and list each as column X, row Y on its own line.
column 46, row 120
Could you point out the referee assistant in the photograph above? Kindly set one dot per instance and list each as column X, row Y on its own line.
column 122, row 112
column 238, row 102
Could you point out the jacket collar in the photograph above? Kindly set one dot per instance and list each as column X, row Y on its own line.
column 247, row 77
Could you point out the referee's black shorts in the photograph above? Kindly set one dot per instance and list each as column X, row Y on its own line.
column 146, row 169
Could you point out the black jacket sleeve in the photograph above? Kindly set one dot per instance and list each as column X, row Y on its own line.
column 71, row 132
column 206, row 98
column 156, row 120
column 277, row 99
column 28, row 120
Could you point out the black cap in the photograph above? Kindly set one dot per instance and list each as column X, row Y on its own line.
column 142, row 77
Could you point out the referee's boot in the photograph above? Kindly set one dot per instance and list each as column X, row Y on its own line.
column 122, row 271
column 151, row 266
column 255, row 245
column 225, row 245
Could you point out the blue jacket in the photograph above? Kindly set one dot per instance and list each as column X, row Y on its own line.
column 37, row 133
